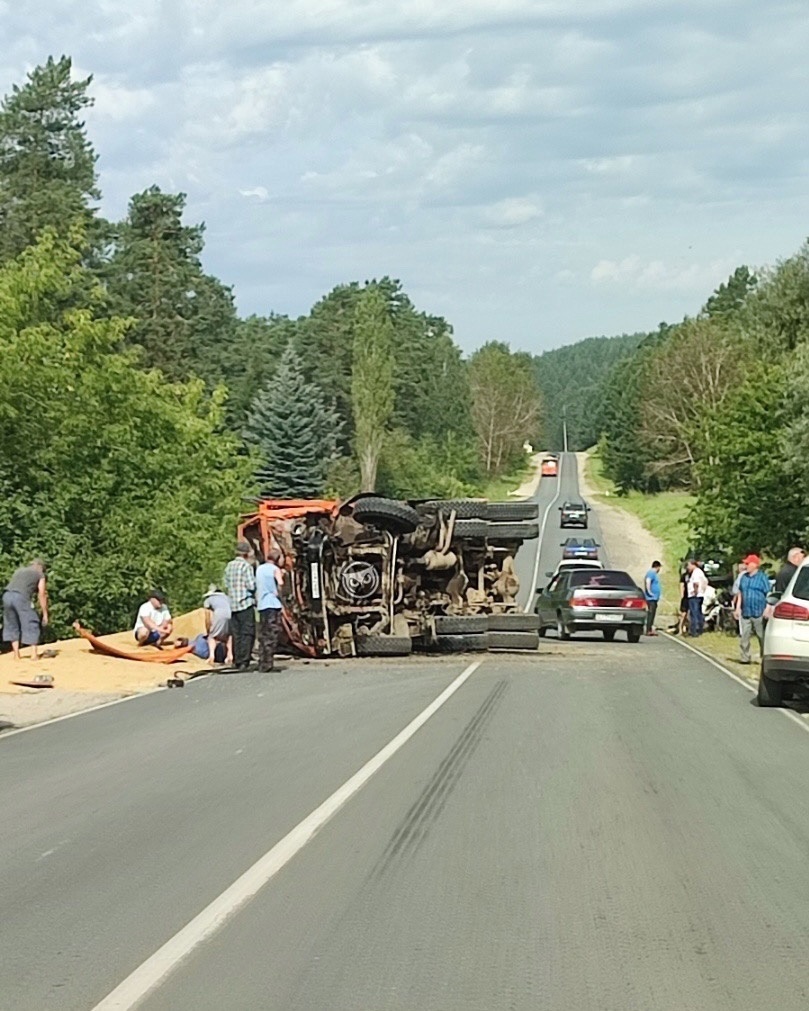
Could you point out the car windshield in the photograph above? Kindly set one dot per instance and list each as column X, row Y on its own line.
column 801, row 587
column 601, row 577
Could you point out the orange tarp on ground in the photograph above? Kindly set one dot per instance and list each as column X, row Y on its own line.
column 144, row 654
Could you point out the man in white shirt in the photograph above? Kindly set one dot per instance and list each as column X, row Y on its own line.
column 697, row 586
column 153, row 625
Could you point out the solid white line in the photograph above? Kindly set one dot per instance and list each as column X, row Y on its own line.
column 81, row 712
column 158, row 966
column 745, row 684
column 529, row 604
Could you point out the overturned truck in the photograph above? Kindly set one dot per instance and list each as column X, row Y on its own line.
column 380, row 577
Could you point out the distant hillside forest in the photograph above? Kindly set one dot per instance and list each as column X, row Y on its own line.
column 572, row 380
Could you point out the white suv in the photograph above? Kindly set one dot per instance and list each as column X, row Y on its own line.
column 785, row 657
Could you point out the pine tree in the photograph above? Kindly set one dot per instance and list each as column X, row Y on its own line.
column 186, row 318
column 296, row 432
column 47, row 164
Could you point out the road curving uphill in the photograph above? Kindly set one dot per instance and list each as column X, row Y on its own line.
column 374, row 576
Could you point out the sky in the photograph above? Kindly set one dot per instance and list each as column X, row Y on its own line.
column 536, row 171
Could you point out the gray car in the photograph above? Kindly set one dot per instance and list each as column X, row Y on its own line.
column 587, row 600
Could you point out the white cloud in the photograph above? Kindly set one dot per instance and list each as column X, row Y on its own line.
column 511, row 141
column 512, row 212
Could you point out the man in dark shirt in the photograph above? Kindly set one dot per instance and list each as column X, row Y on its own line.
column 21, row 623
column 794, row 560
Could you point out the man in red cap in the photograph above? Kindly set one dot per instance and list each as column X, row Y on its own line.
column 754, row 588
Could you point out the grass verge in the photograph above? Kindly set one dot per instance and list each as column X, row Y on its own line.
column 664, row 514
column 498, row 488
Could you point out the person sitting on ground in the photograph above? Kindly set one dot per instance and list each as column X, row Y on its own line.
column 21, row 623
column 154, row 624
column 217, row 625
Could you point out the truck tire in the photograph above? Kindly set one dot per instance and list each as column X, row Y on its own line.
column 475, row 642
column 384, row 645
column 513, row 532
column 515, row 621
column 513, row 511
column 464, row 508
column 513, row 640
column 471, row 528
column 386, row 513
column 460, row 624
column 770, row 693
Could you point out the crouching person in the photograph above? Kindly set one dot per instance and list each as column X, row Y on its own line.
column 154, row 624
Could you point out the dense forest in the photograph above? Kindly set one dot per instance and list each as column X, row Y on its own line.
column 571, row 380
column 139, row 414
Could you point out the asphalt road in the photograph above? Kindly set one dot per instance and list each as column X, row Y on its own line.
column 602, row 826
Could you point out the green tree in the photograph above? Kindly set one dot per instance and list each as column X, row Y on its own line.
column 295, row 431
column 505, row 404
column 252, row 359
column 185, row 319
column 47, row 164
column 731, row 296
column 748, row 499
column 372, row 389
column 119, row 478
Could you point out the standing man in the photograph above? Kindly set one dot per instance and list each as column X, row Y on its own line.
column 269, row 580
column 21, row 623
column 697, row 584
column 240, row 584
column 754, row 588
column 651, row 590
column 795, row 559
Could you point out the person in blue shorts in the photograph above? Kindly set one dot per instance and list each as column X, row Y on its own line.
column 154, row 624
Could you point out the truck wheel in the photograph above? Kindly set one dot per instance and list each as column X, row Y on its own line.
column 514, row 621
column 460, row 624
column 386, row 513
column 464, row 508
column 511, row 511
column 384, row 645
column 513, row 532
column 770, row 693
column 467, row 643
column 471, row 528
column 513, row 640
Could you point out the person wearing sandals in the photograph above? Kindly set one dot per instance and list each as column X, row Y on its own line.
column 21, row 623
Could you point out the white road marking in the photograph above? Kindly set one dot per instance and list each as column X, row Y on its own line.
column 745, row 684
column 83, row 712
column 158, row 966
column 529, row 604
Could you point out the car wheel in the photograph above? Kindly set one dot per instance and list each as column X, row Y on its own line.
column 633, row 634
column 561, row 631
column 770, row 693
column 609, row 634
column 541, row 631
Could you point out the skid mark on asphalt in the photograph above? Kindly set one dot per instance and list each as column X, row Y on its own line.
column 416, row 824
